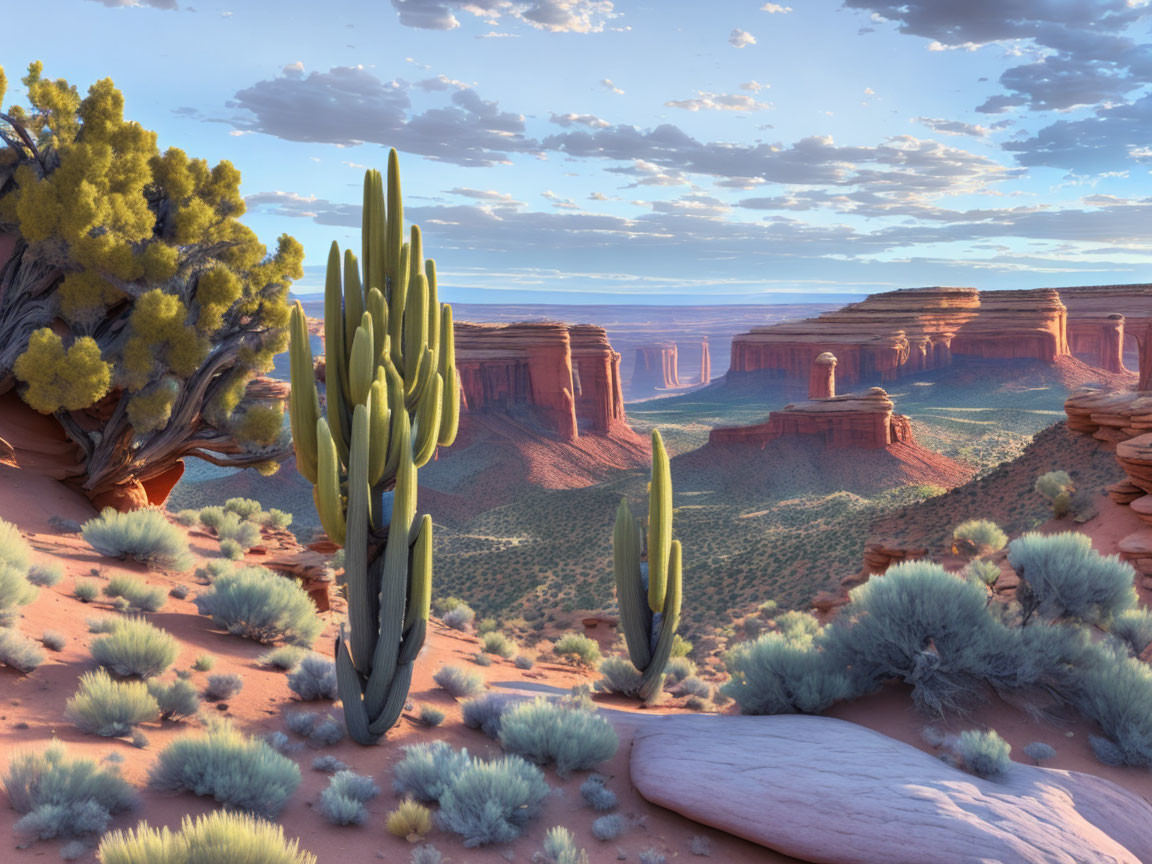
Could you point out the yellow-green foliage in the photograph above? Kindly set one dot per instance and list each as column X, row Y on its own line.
column 189, row 277
column 57, row 378
column 260, row 424
column 410, row 820
column 218, row 836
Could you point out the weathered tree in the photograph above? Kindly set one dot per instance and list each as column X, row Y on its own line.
column 135, row 308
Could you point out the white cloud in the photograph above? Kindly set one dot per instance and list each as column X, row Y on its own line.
column 754, row 86
column 589, row 120
column 705, row 101
column 740, row 38
column 607, row 84
column 775, row 9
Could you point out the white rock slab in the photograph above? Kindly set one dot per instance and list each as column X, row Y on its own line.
column 831, row 792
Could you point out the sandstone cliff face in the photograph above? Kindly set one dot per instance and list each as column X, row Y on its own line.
column 705, row 363
column 911, row 330
column 1093, row 328
column 656, row 367
column 564, row 378
column 856, row 420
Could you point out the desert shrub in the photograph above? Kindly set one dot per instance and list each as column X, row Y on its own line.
column 1056, row 486
column 231, row 550
column 211, row 516
column 920, row 624
column 245, row 508
column 86, row 591
column 180, row 592
column 103, row 624
column 139, row 594
column 570, row 733
column 45, row 575
column 983, row 572
column 1062, row 576
column 15, row 590
column 204, row 662
column 410, row 820
column 608, row 827
column 286, row 657
column 53, row 641
column 142, row 535
column 440, row 605
column 1117, row 694
column 187, row 518
column 524, row 661
column 491, row 802
column 984, row 754
column 342, row 803
column 578, row 649
column 426, row 855
column 430, row 715
column 678, row 668
column 597, row 795
column 121, row 604
column 978, row 537
column 105, row 706
column 1134, row 628
column 486, row 625
column 177, row 699
column 301, row 722
column 19, row 652
column 207, row 839
column 213, row 570
column 495, row 642
column 618, row 675
column 135, row 647
column 775, row 675
column 795, row 626
column 484, row 712
column 481, row 659
column 238, row 771
column 681, row 647
column 232, row 527
column 275, row 520
column 694, row 686
column 560, row 847
column 328, row 731
column 222, row 687
column 1039, row 752
column 427, row 770
column 74, row 850
column 314, row 678
column 458, row 682
column 459, row 617
column 14, row 549
column 258, row 604
column 695, row 703
column 64, row 797
column 652, row 856
column 328, row 764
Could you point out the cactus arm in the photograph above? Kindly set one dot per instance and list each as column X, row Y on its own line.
column 394, row 238
column 328, row 505
column 428, row 420
column 420, row 576
column 635, row 617
column 433, row 306
column 379, row 425
column 659, row 523
column 450, row 415
column 378, row 309
column 353, row 295
column 415, row 325
column 303, row 403
column 360, row 371
column 653, row 677
column 356, row 569
column 373, row 230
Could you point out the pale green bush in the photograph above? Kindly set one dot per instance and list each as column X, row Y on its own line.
column 214, row 838
column 258, row 604
column 142, row 535
column 111, row 708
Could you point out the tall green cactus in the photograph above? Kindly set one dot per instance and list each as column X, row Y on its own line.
column 649, row 601
column 393, row 397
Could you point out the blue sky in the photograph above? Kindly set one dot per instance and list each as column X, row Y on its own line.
column 660, row 152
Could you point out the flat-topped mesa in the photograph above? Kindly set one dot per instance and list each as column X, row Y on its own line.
column 521, row 368
column 1089, row 308
column 910, row 330
column 656, row 367
column 822, row 378
column 856, row 420
column 705, row 362
column 1028, row 324
column 596, row 376
column 883, row 336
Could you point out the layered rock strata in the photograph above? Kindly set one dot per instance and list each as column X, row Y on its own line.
column 656, row 367
column 822, row 378
column 705, row 363
column 596, row 379
column 1090, row 329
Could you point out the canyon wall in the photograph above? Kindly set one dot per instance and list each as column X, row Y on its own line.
column 910, row 330
column 564, row 378
column 1100, row 317
column 657, row 367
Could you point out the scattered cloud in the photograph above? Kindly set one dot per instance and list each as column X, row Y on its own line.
column 953, row 127
column 489, row 195
column 556, row 16
column 775, row 9
column 606, row 84
column 167, row 5
column 754, row 86
column 705, row 101
column 589, row 120
column 741, row 38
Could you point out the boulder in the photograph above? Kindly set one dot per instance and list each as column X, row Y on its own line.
column 828, row 791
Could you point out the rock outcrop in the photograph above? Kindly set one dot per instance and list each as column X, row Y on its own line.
column 911, row 330
column 564, row 378
column 656, row 367
column 1093, row 329
column 822, row 378
column 777, row 781
column 705, row 363
column 854, row 420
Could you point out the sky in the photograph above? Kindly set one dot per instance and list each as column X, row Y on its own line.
column 668, row 152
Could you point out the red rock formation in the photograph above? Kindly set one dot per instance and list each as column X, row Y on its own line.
column 822, row 378
column 705, row 362
column 911, row 330
column 856, row 420
column 1100, row 340
column 656, row 367
column 1089, row 307
column 596, row 374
